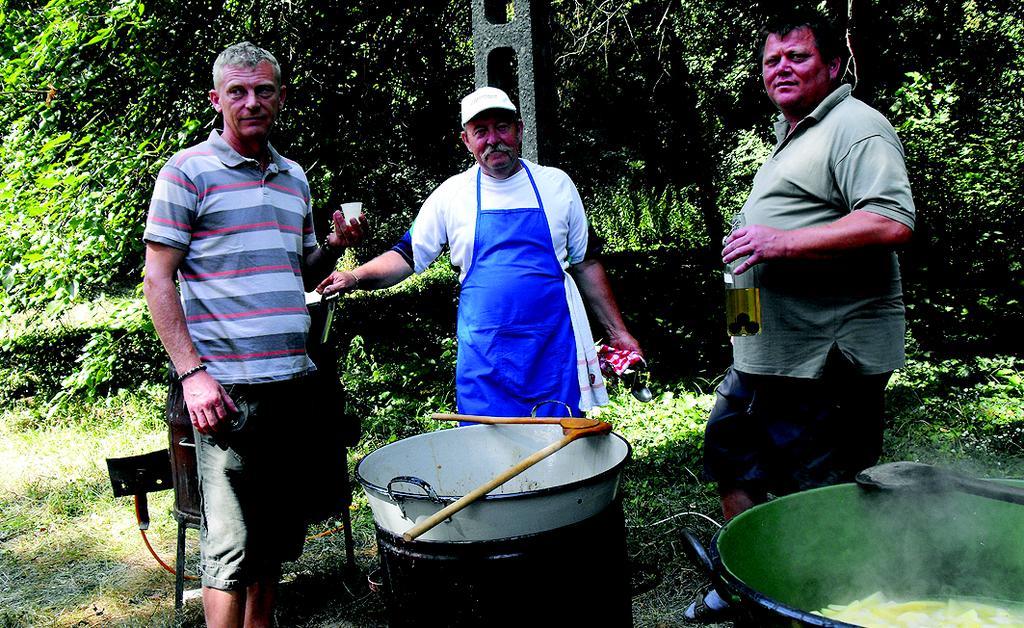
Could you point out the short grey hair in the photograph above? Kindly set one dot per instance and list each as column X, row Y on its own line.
column 244, row 55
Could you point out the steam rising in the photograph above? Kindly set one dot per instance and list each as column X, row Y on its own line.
column 842, row 543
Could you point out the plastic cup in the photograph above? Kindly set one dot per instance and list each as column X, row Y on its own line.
column 351, row 210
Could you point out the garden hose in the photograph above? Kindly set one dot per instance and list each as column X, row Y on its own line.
column 145, row 539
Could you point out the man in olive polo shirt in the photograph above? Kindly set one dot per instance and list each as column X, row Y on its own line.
column 802, row 405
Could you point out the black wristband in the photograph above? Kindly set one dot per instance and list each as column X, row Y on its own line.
column 192, row 371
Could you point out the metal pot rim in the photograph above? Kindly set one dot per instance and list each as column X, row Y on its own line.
column 753, row 596
column 383, row 493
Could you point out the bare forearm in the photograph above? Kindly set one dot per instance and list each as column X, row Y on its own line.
column 593, row 284
column 169, row 322
column 855, row 232
column 319, row 264
column 383, row 271
column 161, row 293
column 207, row 401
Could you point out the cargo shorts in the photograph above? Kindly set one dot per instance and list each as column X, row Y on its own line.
column 253, row 483
column 778, row 435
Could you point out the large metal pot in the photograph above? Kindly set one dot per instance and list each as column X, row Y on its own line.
column 412, row 479
column 552, row 538
column 799, row 553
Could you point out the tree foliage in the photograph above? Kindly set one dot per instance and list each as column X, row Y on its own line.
column 74, row 144
column 664, row 100
column 97, row 93
column 961, row 118
column 662, row 121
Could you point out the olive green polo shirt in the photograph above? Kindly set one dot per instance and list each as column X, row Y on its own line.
column 841, row 158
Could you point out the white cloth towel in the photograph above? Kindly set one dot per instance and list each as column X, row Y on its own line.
column 592, row 388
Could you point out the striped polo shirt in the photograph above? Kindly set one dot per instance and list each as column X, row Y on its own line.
column 244, row 232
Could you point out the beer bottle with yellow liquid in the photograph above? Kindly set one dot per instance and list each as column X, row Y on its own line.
column 742, row 297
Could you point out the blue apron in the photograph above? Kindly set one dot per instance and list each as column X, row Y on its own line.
column 516, row 344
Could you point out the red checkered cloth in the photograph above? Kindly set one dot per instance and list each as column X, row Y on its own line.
column 614, row 362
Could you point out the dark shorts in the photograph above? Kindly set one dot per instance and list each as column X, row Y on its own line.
column 257, row 483
column 779, row 435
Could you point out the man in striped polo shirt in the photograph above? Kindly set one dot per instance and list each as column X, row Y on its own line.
column 231, row 220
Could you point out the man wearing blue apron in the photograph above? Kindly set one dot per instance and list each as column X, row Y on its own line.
column 518, row 235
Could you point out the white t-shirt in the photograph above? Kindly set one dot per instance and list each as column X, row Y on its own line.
column 448, row 216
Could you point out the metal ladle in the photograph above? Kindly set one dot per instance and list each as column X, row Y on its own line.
column 925, row 477
column 639, row 389
column 642, row 394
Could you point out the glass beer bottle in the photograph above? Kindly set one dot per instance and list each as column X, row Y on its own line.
column 742, row 297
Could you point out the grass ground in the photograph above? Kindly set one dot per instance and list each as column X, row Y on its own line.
column 71, row 553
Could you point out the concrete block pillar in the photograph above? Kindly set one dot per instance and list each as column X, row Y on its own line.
column 515, row 55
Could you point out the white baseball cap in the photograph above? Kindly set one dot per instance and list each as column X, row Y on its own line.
column 483, row 99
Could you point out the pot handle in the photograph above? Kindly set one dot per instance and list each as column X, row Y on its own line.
column 568, row 410
column 415, row 481
column 699, row 554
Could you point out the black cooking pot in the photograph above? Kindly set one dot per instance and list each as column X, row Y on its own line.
column 784, row 559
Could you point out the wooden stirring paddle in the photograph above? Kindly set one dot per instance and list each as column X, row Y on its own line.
column 592, row 428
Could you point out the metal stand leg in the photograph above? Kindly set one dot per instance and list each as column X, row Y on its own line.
column 350, row 555
column 179, row 570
